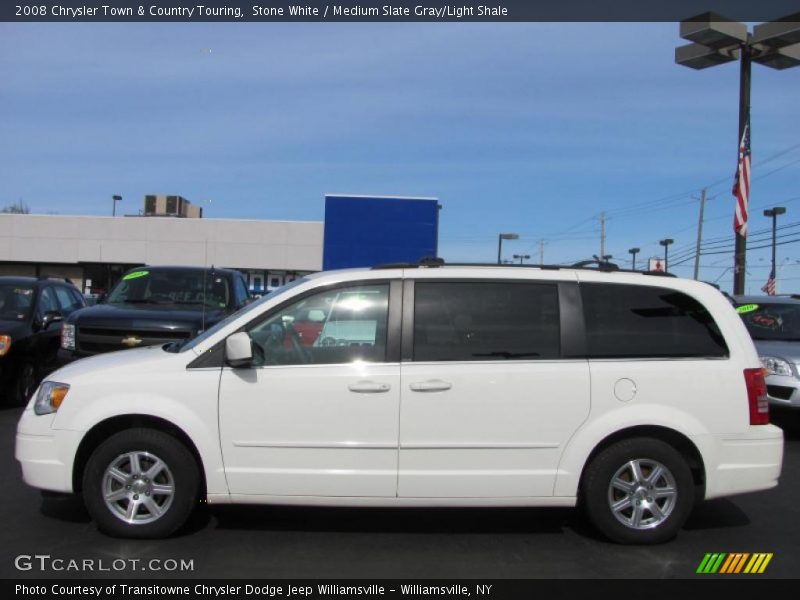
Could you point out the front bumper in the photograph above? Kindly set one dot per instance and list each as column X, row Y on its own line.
column 783, row 390
column 745, row 463
column 45, row 454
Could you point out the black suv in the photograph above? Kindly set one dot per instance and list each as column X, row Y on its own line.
column 155, row 305
column 31, row 311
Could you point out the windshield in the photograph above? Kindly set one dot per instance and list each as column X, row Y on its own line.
column 16, row 302
column 190, row 287
column 773, row 321
column 252, row 307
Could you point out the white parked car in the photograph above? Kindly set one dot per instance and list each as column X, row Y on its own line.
column 632, row 395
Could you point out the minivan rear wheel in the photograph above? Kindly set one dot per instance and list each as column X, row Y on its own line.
column 638, row 491
column 141, row 483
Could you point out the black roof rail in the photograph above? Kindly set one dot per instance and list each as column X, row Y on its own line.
column 602, row 265
column 588, row 265
column 55, row 278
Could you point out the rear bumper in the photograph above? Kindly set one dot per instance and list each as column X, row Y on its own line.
column 745, row 463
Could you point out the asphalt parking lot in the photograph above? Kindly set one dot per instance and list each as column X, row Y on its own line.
column 284, row 542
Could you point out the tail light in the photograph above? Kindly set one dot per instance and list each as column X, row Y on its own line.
column 757, row 396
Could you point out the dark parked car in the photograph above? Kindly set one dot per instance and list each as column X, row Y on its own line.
column 152, row 306
column 31, row 312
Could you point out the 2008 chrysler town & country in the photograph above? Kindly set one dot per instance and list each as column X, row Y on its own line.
column 631, row 395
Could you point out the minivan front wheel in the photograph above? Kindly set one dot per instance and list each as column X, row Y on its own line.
column 141, row 483
column 638, row 491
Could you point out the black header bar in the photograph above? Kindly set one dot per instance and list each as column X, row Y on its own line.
column 389, row 10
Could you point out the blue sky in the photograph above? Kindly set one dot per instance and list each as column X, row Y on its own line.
column 530, row 128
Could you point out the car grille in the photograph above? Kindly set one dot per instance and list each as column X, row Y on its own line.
column 94, row 340
column 780, row 391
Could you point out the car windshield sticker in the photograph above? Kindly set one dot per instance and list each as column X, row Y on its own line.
column 23, row 291
column 746, row 308
column 135, row 275
column 766, row 321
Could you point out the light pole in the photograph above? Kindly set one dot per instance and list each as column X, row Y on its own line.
column 717, row 40
column 522, row 257
column 634, row 252
column 114, row 199
column 666, row 242
column 500, row 238
column 774, row 212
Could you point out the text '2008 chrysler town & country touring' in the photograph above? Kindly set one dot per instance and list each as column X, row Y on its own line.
column 631, row 395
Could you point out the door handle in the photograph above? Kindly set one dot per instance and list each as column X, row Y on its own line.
column 432, row 385
column 369, row 387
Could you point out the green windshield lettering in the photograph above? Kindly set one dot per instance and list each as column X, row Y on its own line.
column 746, row 308
column 135, row 275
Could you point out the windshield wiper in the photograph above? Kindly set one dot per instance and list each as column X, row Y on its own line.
column 142, row 301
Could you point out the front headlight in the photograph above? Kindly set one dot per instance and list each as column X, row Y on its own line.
column 51, row 395
column 776, row 366
column 5, row 344
column 68, row 336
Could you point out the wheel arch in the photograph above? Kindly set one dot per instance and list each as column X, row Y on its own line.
column 104, row 429
column 676, row 439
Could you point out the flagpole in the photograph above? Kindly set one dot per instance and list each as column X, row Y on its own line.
column 739, row 260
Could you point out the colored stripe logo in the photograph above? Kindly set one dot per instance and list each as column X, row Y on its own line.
column 734, row 563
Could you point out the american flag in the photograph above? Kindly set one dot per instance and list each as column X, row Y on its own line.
column 769, row 287
column 741, row 183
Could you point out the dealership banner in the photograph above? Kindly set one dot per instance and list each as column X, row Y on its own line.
column 366, row 589
column 390, row 11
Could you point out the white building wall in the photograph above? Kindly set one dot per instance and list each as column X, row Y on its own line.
column 241, row 244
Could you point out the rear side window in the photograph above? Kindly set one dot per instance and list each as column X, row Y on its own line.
column 476, row 321
column 628, row 321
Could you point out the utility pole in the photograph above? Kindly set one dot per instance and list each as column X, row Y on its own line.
column 541, row 252
column 602, row 234
column 699, row 235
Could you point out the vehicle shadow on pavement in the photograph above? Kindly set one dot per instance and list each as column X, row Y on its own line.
column 65, row 508
column 788, row 420
column 716, row 514
column 400, row 520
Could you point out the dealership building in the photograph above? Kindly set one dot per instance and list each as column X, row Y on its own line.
column 93, row 252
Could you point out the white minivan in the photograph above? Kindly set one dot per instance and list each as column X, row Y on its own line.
column 631, row 395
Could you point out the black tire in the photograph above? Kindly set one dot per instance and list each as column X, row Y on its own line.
column 618, row 460
column 25, row 384
column 181, row 475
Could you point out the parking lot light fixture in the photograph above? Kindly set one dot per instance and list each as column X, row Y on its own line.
column 500, row 238
column 633, row 252
column 717, row 40
column 666, row 242
column 774, row 213
column 522, row 257
column 114, row 199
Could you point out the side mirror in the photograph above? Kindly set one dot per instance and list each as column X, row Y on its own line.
column 50, row 317
column 238, row 350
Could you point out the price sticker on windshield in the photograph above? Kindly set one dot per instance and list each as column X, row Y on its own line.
column 746, row 308
column 135, row 275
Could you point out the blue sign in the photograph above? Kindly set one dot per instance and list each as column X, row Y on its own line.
column 364, row 231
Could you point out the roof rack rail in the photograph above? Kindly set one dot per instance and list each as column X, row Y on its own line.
column 602, row 265
column 587, row 265
column 55, row 278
